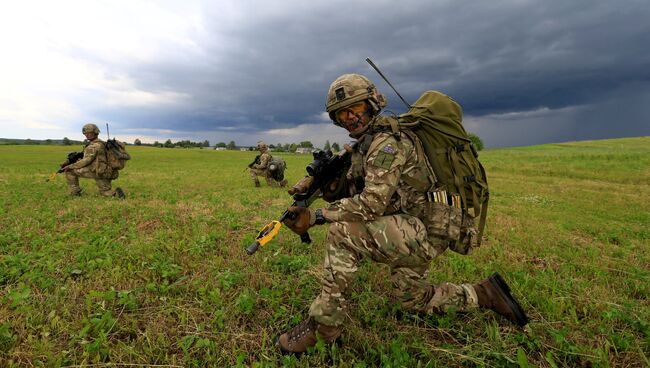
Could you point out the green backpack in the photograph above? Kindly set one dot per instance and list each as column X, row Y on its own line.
column 436, row 119
column 277, row 166
column 116, row 155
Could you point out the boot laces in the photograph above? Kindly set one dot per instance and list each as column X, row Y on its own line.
column 301, row 330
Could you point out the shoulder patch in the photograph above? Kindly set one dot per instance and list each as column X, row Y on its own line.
column 385, row 157
column 389, row 149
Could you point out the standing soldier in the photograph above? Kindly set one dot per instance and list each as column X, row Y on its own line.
column 261, row 167
column 93, row 165
column 384, row 221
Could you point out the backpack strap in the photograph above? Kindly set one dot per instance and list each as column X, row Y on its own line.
column 394, row 127
column 420, row 148
column 484, row 207
column 481, row 222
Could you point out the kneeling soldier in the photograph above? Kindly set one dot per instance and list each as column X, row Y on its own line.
column 384, row 221
column 93, row 165
column 261, row 167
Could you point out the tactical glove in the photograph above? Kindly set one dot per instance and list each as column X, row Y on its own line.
column 300, row 220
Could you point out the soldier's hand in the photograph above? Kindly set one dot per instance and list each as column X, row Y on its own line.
column 301, row 186
column 301, row 219
column 66, row 168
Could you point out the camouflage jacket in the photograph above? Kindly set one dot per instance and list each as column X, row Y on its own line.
column 94, row 159
column 263, row 162
column 395, row 174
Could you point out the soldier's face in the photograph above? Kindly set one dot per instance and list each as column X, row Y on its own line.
column 90, row 136
column 354, row 117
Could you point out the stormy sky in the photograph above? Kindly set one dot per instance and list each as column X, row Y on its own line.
column 525, row 72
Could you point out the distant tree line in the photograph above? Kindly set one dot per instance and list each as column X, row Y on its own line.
column 279, row 147
column 292, row 147
column 58, row 142
column 169, row 144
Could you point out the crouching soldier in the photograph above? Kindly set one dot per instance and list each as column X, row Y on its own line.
column 262, row 167
column 383, row 221
column 93, row 165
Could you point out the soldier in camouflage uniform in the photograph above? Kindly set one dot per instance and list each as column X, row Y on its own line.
column 93, row 165
column 386, row 221
column 261, row 167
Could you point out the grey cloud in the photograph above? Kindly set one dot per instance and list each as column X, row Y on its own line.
column 267, row 65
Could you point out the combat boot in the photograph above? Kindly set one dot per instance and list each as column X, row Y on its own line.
column 494, row 293
column 303, row 336
column 119, row 193
column 283, row 183
column 257, row 184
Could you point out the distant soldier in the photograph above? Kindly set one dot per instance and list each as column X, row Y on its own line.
column 93, row 165
column 263, row 165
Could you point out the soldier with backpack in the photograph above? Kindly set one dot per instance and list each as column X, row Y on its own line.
column 396, row 208
column 267, row 166
column 95, row 164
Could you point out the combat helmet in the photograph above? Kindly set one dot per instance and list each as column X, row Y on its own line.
column 349, row 89
column 90, row 128
column 262, row 147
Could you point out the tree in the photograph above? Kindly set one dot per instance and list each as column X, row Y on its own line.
column 168, row 144
column 231, row 145
column 286, row 147
column 476, row 140
column 335, row 147
column 206, row 143
column 137, row 142
column 48, row 141
column 327, row 146
column 221, row 144
column 293, row 147
column 66, row 141
column 306, row 144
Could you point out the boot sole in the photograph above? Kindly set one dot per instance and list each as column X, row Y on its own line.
column 120, row 193
column 504, row 291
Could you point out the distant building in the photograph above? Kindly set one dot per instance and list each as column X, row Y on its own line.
column 219, row 148
column 244, row 149
column 306, row 150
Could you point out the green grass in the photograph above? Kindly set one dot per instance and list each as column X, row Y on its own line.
column 162, row 278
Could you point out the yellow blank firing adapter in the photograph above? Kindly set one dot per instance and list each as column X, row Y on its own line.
column 266, row 235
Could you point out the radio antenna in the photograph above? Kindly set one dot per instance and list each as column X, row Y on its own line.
column 386, row 79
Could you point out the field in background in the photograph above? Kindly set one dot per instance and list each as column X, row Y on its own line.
column 162, row 278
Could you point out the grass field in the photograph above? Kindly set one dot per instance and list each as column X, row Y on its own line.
column 162, row 278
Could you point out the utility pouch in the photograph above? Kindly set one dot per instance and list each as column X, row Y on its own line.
column 443, row 216
column 468, row 236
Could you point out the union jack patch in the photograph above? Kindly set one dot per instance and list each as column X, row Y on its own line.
column 389, row 149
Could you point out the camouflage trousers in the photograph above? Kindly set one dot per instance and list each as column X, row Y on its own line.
column 399, row 241
column 254, row 173
column 72, row 177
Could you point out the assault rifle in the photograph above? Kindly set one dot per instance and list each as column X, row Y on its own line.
column 325, row 168
column 255, row 161
column 72, row 158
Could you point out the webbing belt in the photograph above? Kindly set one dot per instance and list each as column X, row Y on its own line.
column 442, row 196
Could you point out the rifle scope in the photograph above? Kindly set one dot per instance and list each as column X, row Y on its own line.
column 320, row 159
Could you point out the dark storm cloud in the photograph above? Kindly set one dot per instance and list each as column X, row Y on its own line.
column 260, row 66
